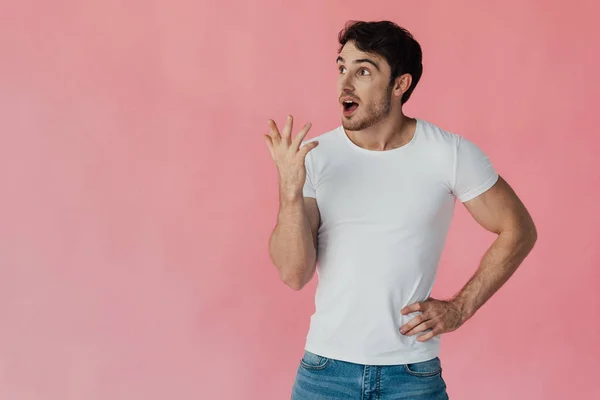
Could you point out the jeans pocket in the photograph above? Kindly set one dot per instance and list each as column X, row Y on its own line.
column 313, row 361
column 425, row 368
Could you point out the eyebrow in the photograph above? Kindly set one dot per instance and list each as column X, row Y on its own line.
column 362, row 60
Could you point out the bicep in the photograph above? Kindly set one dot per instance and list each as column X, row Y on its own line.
column 314, row 217
column 500, row 209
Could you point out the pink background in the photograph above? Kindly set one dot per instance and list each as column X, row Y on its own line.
column 137, row 193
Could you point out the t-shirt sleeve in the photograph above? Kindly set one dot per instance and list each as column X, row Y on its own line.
column 309, row 188
column 474, row 172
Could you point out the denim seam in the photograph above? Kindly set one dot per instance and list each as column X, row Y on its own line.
column 378, row 380
column 417, row 373
column 315, row 367
column 363, row 383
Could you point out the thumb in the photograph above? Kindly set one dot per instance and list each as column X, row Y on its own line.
column 308, row 147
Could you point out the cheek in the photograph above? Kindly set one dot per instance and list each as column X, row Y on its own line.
column 370, row 93
column 370, row 100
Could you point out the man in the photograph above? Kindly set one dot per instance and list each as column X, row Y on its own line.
column 374, row 201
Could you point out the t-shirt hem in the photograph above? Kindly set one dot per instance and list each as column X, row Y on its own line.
column 481, row 189
column 396, row 359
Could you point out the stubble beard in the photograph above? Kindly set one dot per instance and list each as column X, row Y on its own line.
column 372, row 114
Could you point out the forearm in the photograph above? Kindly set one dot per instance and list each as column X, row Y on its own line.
column 497, row 265
column 291, row 245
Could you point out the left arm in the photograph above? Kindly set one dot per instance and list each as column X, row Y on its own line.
column 498, row 210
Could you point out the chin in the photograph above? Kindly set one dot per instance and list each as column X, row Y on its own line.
column 354, row 124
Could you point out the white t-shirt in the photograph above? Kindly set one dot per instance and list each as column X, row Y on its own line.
column 384, row 220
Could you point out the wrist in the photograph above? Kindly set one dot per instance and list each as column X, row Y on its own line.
column 290, row 196
column 290, row 206
column 463, row 308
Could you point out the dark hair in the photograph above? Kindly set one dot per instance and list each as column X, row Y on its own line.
column 392, row 42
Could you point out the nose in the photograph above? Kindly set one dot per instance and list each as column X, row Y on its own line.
column 346, row 84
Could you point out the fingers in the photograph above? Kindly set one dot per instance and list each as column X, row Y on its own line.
column 300, row 136
column 269, row 143
column 275, row 138
column 274, row 132
column 412, row 308
column 423, row 326
column 307, row 147
column 414, row 323
column 287, row 129
column 427, row 336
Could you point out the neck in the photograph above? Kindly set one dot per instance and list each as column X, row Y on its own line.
column 387, row 134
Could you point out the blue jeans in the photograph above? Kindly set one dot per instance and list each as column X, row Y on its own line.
column 322, row 378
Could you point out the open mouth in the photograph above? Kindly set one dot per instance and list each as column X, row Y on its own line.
column 349, row 107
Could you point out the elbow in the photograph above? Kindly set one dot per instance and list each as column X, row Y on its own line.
column 295, row 285
column 533, row 234
column 297, row 278
column 528, row 238
column 525, row 232
column 293, row 282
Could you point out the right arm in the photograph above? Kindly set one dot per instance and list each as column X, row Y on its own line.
column 293, row 243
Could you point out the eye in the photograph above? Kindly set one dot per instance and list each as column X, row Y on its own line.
column 365, row 70
column 341, row 68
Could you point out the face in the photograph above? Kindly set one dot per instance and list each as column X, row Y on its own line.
column 364, row 88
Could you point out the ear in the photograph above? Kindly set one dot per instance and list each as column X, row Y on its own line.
column 402, row 84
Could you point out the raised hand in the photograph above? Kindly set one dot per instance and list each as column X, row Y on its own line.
column 289, row 156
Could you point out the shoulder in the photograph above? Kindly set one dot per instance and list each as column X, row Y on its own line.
column 436, row 145
column 457, row 143
column 433, row 134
